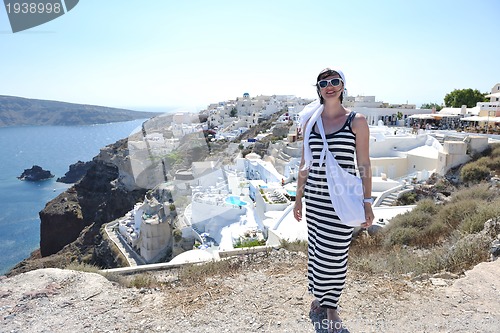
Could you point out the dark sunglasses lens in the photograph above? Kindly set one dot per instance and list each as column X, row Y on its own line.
column 323, row 83
column 335, row 82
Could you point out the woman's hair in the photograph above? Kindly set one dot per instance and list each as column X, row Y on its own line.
column 326, row 73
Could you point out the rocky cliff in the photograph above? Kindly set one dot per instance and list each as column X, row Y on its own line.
column 70, row 223
column 75, row 173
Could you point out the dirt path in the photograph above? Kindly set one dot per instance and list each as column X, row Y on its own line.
column 269, row 296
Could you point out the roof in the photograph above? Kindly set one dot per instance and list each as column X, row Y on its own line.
column 424, row 151
column 497, row 94
column 192, row 256
column 422, row 116
column 482, row 118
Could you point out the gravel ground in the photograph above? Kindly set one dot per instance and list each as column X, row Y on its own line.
column 269, row 295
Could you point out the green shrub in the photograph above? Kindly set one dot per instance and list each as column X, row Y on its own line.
column 466, row 253
column 249, row 243
column 494, row 164
column 427, row 206
column 495, row 150
column 177, row 233
column 418, row 227
column 453, row 214
column 407, row 198
column 490, row 162
column 479, row 192
column 402, row 236
column 483, row 160
column 474, row 173
column 474, row 223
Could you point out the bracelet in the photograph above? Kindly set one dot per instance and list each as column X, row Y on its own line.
column 368, row 200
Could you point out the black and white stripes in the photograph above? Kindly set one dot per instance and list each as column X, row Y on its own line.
column 328, row 238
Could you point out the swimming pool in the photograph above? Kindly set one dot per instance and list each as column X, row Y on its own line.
column 233, row 200
column 292, row 193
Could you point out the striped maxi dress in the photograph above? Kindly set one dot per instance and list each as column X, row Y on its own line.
column 328, row 238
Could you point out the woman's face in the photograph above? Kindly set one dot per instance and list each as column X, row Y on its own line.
column 333, row 89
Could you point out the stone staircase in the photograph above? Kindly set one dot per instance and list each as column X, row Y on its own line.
column 440, row 138
column 284, row 156
column 391, row 198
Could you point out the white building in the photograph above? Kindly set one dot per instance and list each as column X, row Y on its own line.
column 148, row 229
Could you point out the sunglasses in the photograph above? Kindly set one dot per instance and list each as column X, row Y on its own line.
column 334, row 82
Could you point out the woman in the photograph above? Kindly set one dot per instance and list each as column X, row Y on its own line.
column 347, row 135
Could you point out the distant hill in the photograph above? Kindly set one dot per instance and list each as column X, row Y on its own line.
column 18, row 111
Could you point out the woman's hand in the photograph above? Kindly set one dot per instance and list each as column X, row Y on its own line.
column 297, row 210
column 369, row 217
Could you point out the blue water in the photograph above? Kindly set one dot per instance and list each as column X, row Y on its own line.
column 53, row 148
column 235, row 201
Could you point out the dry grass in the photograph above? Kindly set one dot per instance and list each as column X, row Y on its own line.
column 82, row 267
column 295, row 246
column 462, row 255
column 431, row 237
column 197, row 273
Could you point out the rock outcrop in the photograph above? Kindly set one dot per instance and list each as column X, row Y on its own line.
column 36, row 173
column 95, row 199
column 75, row 173
column 70, row 224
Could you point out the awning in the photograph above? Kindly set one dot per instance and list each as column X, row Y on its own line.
column 436, row 116
column 497, row 94
column 482, row 119
column 422, row 116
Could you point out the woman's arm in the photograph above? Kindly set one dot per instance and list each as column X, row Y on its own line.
column 360, row 128
column 301, row 183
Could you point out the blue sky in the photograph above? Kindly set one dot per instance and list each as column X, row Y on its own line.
column 187, row 54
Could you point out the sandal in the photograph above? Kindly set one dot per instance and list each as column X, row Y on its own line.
column 316, row 307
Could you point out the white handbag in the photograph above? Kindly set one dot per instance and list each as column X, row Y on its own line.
column 345, row 189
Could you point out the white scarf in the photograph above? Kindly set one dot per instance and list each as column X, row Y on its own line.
column 307, row 118
column 345, row 189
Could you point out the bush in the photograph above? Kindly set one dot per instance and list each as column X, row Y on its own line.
column 466, row 253
column 407, row 198
column 402, row 236
column 418, row 227
column 295, row 246
column 495, row 150
column 249, row 243
column 453, row 214
column 474, row 223
column 432, row 238
column 490, row 162
column 479, row 192
column 494, row 163
column 427, row 206
column 474, row 173
column 142, row 281
column 177, row 233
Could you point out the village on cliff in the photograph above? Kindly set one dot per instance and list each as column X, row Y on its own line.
column 242, row 201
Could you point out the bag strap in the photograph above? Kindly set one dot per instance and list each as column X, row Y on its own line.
column 350, row 119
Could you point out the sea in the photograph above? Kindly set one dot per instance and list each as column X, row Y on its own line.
column 54, row 148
